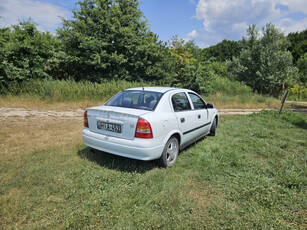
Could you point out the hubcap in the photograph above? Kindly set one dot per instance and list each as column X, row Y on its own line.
column 172, row 151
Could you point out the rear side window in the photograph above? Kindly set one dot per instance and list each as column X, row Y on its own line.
column 135, row 99
column 180, row 102
column 198, row 103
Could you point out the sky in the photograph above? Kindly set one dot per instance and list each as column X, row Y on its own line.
column 207, row 22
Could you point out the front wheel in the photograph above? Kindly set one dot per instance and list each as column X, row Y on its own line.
column 170, row 153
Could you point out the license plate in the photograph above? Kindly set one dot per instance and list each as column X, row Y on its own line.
column 109, row 127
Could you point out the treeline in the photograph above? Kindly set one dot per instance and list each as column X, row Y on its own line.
column 109, row 40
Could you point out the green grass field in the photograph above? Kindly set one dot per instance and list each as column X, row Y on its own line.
column 252, row 175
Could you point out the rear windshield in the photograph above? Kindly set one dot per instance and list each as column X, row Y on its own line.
column 135, row 99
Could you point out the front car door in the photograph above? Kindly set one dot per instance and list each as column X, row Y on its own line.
column 202, row 115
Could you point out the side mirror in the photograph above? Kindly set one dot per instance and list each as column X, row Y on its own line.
column 209, row 106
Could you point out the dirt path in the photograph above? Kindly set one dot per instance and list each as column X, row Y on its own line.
column 297, row 102
column 21, row 112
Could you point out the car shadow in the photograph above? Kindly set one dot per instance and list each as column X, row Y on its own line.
column 114, row 162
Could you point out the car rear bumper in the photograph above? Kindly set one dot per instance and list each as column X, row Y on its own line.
column 140, row 149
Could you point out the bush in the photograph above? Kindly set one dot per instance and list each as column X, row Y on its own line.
column 298, row 92
column 231, row 88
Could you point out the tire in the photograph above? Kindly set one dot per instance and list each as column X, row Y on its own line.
column 213, row 128
column 169, row 154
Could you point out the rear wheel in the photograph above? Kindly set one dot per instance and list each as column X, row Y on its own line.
column 213, row 128
column 170, row 153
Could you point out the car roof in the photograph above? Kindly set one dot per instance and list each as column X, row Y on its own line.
column 154, row 89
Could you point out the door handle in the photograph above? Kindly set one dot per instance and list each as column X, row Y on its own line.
column 199, row 116
column 182, row 120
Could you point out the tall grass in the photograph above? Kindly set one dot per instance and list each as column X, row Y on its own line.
column 67, row 90
column 230, row 88
column 226, row 93
column 234, row 94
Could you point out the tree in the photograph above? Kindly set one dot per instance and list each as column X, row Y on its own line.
column 264, row 62
column 184, row 61
column 24, row 52
column 189, row 70
column 222, row 51
column 298, row 44
column 108, row 39
column 302, row 66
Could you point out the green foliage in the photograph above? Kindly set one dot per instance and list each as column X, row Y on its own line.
column 230, row 88
column 264, row 62
column 184, row 62
column 190, row 71
column 222, row 51
column 298, row 44
column 109, row 39
column 208, row 75
column 302, row 66
column 195, row 50
column 298, row 92
column 24, row 52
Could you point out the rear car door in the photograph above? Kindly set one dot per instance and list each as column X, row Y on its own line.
column 185, row 117
column 202, row 114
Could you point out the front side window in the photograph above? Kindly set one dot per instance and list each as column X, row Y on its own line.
column 198, row 103
column 135, row 99
column 180, row 102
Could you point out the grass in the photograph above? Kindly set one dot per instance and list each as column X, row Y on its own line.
column 251, row 175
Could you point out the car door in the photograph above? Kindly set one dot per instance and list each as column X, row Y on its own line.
column 185, row 117
column 202, row 115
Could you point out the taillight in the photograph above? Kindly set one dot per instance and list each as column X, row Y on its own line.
column 143, row 129
column 85, row 119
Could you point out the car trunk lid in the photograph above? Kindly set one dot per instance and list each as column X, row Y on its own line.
column 114, row 121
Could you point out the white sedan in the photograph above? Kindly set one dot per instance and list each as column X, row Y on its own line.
column 149, row 123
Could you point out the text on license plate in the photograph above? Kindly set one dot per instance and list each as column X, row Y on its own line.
column 109, row 126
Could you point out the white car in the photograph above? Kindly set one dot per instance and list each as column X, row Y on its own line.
column 149, row 123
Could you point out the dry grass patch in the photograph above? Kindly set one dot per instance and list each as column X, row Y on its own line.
column 24, row 135
column 36, row 103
